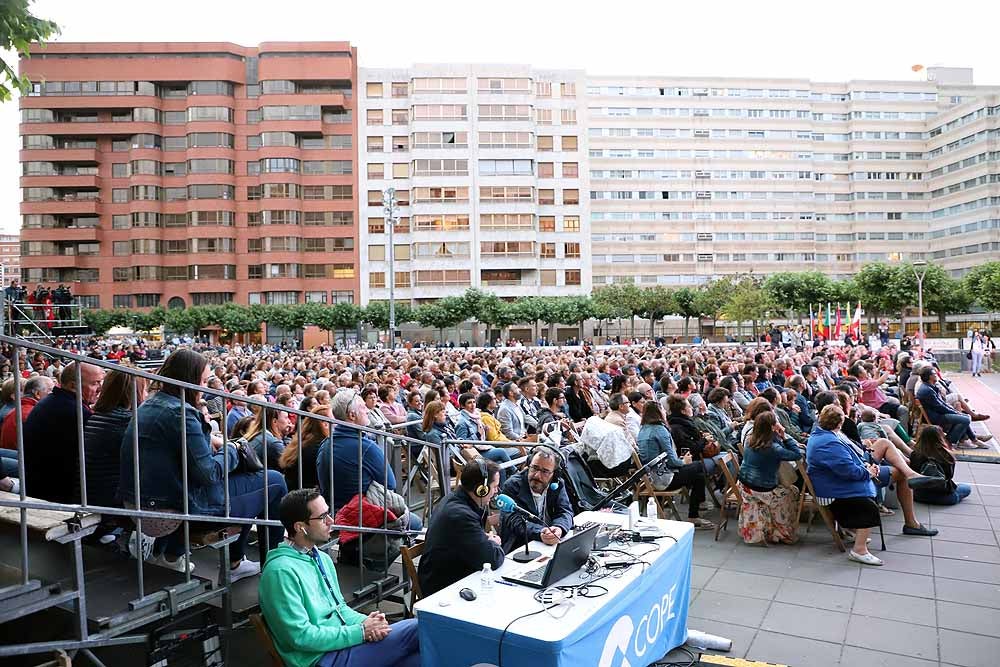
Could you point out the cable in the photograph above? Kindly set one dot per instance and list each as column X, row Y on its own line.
column 693, row 661
column 504, row 633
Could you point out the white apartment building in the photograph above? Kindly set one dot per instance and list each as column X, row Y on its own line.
column 489, row 167
column 696, row 177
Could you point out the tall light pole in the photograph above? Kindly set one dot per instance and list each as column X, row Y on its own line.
column 922, row 265
column 389, row 204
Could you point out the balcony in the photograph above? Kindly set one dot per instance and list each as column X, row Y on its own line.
column 82, row 155
column 86, row 181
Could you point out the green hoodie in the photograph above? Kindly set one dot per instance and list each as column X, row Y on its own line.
column 305, row 621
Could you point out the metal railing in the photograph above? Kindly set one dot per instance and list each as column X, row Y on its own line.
column 31, row 454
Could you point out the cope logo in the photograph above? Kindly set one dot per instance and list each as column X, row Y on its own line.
column 624, row 634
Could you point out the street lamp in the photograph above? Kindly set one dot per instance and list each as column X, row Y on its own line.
column 922, row 265
column 389, row 204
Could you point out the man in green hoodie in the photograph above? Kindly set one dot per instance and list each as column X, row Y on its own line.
column 309, row 621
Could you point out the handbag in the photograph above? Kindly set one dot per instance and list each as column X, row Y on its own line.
column 246, row 457
column 968, row 355
column 710, row 449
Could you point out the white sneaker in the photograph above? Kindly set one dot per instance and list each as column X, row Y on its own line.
column 147, row 545
column 175, row 565
column 867, row 559
column 246, row 568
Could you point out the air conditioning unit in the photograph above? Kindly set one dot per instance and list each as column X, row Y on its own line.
column 701, row 134
column 705, row 237
column 703, row 174
column 703, row 195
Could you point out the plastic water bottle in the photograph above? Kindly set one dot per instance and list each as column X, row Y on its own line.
column 486, row 583
column 651, row 509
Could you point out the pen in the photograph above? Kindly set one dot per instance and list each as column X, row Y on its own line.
column 505, row 583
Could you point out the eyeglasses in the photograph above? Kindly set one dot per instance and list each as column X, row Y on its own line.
column 541, row 471
column 325, row 516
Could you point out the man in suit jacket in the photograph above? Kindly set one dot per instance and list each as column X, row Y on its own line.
column 955, row 424
column 509, row 414
column 532, row 490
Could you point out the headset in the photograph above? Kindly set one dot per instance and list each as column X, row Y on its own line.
column 560, row 460
column 483, row 489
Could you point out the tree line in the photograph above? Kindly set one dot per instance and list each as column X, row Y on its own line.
column 883, row 289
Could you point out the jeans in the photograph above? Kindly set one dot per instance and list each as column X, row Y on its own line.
column 8, row 463
column 498, row 455
column 960, row 493
column 246, row 501
column 692, row 476
column 977, row 361
column 957, row 427
column 400, row 649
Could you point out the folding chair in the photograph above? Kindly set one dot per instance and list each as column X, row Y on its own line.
column 410, row 556
column 730, row 496
column 664, row 499
column 264, row 635
column 808, row 496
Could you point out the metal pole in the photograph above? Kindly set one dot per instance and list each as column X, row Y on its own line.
column 389, row 202
column 920, row 298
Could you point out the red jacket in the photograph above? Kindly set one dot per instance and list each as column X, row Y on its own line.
column 8, row 432
column 371, row 517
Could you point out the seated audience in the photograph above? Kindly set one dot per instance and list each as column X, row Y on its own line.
column 930, row 447
column 313, row 432
column 770, row 511
column 103, row 434
column 267, row 435
column 956, row 425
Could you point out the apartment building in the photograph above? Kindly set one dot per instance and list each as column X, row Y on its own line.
column 180, row 174
column 489, row 168
column 10, row 256
column 693, row 178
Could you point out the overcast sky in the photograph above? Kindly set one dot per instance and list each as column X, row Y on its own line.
column 825, row 41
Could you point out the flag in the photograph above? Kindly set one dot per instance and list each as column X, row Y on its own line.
column 812, row 324
column 855, row 326
column 827, row 329
column 838, row 330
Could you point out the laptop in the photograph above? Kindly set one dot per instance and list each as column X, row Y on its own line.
column 570, row 555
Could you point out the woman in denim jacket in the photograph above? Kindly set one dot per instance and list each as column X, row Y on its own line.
column 769, row 511
column 158, row 422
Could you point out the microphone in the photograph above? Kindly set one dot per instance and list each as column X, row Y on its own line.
column 554, row 486
column 507, row 505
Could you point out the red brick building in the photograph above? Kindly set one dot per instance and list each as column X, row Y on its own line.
column 191, row 173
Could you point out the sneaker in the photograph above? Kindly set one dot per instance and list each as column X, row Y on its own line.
column 984, row 437
column 866, row 559
column 245, row 568
column 967, row 444
column 175, row 565
column 146, row 545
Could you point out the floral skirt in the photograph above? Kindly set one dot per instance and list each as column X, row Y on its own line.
column 771, row 516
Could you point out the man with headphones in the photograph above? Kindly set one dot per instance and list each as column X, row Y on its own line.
column 457, row 542
column 539, row 490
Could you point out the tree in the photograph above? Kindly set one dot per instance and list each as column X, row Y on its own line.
column 492, row 311
column 748, row 301
column 657, row 302
column 953, row 297
column 983, row 285
column 446, row 312
column 879, row 289
column 902, row 288
column 18, row 29
column 686, row 301
column 100, row 321
column 608, row 303
column 797, row 291
column 714, row 296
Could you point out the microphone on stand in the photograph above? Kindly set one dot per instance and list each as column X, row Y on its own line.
column 507, row 505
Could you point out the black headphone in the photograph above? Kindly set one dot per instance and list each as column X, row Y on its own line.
column 483, row 489
column 560, row 459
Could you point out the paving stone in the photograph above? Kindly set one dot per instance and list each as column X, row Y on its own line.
column 968, row 650
column 811, row 594
column 964, row 552
column 854, row 656
column 968, row 618
column 729, row 608
column 892, row 636
column 967, row 592
column 899, row 583
column 895, row 607
column 819, row 624
column 986, row 573
column 744, row 583
column 791, row 650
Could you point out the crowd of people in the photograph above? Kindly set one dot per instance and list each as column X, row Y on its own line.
column 841, row 416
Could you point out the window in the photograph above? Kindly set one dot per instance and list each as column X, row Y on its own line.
column 573, row 276
column 376, row 253
column 119, row 170
column 567, row 116
column 546, row 197
column 400, row 144
column 571, row 250
column 567, row 89
column 505, row 167
column 441, row 223
column 569, row 144
column 376, row 279
column 376, row 225
column 546, row 223
column 547, row 250
column 401, row 170
column 374, row 117
column 440, row 195
column 376, row 144
column 547, row 277
column 400, row 89
column 544, row 143
column 445, row 277
column 506, row 221
column 571, row 197
column 570, row 170
column 400, row 117
column 440, row 112
column 543, row 89
column 439, row 167
column 376, row 170
column 440, row 85
column 545, row 169
column 543, row 116
column 571, row 223
column 507, row 112
column 500, row 193
column 373, row 90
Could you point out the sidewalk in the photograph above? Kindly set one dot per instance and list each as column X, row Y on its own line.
column 983, row 395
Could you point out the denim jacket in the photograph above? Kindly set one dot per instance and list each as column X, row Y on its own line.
column 160, row 474
column 760, row 466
